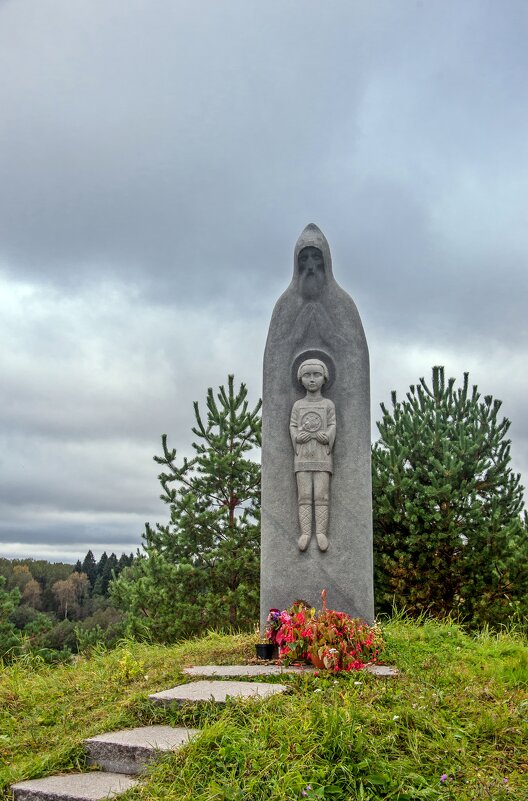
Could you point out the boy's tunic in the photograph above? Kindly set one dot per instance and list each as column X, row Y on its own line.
column 313, row 416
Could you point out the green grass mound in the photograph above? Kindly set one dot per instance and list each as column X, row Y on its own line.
column 454, row 725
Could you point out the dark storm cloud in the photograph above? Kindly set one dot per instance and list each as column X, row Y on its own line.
column 157, row 163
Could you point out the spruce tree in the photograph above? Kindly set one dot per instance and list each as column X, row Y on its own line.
column 101, row 564
column 98, row 587
column 201, row 570
column 89, row 566
column 448, row 536
column 110, row 571
column 125, row 560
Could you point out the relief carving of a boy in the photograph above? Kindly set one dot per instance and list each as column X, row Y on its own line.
column 312, row 431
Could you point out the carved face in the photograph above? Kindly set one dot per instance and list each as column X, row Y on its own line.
column 311, row 271
column 312, row 379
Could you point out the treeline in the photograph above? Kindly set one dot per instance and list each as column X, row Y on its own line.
column 449, row 524
column 56, row 609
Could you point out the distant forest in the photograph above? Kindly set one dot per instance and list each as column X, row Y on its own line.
column 56, row 609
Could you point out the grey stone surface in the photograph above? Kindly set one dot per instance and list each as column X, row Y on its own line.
column 128, row 750
column 90, row 786
column 382, row 671
column 238, row 670
column 315, row 318
column 217, row 691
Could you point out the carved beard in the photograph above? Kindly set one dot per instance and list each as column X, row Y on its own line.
column 311, row 284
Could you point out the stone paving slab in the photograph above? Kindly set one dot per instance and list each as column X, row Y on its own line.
column 217, row 691
column 128, row 750
column 381, row 671
column 91, row 786
column 240, row 670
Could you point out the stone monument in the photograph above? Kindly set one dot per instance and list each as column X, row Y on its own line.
column 316, row 479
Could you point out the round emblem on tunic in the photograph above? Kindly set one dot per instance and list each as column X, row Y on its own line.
column 311, row 421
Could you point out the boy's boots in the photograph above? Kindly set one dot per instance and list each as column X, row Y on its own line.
column 305, row 521
column 321, row 525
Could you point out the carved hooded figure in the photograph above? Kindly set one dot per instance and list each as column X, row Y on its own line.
column 316, row 319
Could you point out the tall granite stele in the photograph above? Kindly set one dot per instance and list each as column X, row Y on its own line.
column 316, row 474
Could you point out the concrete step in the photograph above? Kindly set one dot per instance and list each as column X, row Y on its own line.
column 91, row 786
column 381, row 671
column 129, row 750
column 217, row 691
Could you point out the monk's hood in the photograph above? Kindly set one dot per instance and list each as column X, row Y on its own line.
column 312, row 236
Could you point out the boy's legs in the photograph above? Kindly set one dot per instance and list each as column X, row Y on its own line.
column 304, row 497
column 321, row 483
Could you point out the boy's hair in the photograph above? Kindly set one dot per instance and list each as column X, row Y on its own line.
column 312, row 363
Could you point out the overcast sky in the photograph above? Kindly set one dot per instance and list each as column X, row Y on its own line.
column 158, row 160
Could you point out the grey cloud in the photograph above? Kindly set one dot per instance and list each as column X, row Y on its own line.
column 157, row 163
column 77, row 537
column 139, row 158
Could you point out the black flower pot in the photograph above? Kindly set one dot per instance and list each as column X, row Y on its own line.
column 264, row 650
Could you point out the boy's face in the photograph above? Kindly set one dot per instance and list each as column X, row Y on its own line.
column 312, row 379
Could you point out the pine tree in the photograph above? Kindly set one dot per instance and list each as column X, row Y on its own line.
column 202, row 569
column 447, row 529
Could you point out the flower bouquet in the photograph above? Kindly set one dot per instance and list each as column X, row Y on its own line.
column 341, row 642
column 331, row 640
column 290, row 631
column 273, row 625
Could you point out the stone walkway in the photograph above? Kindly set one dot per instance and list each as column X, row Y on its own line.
column 123, row 754
column 129, row 750
column 217, row 691
column 225, row 671
column 73, row 786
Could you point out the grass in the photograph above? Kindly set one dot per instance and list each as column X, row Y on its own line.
column 459, row 711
